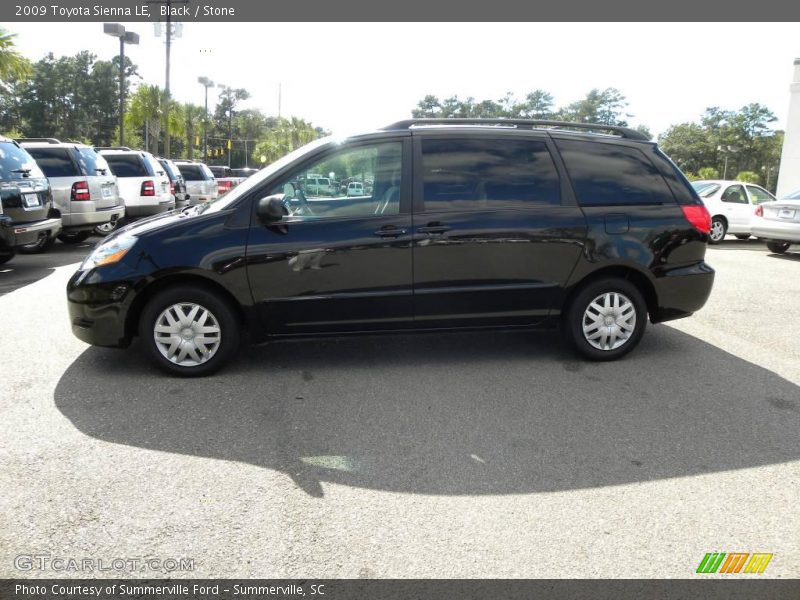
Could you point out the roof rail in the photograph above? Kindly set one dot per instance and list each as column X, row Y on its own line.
column 625, row 132
column 111, row 148
column 46, row 140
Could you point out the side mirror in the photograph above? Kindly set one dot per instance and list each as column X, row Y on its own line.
column 270, row 208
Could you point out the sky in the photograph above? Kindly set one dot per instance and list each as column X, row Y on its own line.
column 351, row 76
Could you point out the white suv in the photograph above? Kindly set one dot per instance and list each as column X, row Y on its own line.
column 143, row 184
column 200, row 181
column 732, row 205
column 84, row 189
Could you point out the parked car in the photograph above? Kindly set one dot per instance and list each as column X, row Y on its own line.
column 732, row 205
column 506, row 223
column 27, row 215
column 226, row 179
column 320, row 186
column 200, row 181
column 84, row 188
column 779, row 223
column 142, row 182
column 355, row 188
column 177, row 184
column 244, row 172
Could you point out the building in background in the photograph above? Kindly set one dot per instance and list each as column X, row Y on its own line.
column 789, row 175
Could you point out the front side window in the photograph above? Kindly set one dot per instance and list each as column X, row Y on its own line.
column 55, row 162
column 759, row 195
column 313, row 197
column 485, row 174
column 605, row 174
column 735, row 195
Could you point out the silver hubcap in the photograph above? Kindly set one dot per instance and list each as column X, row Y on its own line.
column 609, row 321
column 187, row 334
column 107, row 227
column 717, row 231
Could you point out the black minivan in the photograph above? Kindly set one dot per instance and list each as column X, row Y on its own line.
column 462, row 223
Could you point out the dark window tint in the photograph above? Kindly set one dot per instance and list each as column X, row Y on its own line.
column 15, row 163
column 475, row 174
column 92, row 163
column 55, row 162
column 221, row 171
column 193, row 172
column 127, row 165
column 735, row 195
column 612, row 174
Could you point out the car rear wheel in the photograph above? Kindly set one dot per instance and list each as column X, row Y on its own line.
column 43, row 244
column 778, row 247
column 75, row 237
column 606, row 319
column 718, row 230
column 189, row 330
column 742, row 236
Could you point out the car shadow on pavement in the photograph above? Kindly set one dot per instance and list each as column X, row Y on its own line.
column 467, row 413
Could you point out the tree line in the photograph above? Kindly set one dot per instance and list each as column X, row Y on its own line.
column 76, row 97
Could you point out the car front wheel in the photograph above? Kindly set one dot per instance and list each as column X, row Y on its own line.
column 778, row 247
column 189, row 330
column 606, row 319
column 718, row 230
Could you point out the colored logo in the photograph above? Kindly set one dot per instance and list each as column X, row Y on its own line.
column 734, row 562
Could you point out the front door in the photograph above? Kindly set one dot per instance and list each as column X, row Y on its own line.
column 493, row 241
column 737, row 207
column 342, row 262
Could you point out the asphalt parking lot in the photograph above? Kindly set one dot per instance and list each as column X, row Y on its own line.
column 463, row 455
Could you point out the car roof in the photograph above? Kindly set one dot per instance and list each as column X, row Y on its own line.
column 53, row 144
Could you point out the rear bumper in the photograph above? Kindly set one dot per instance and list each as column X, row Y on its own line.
column 779, row 231
column 88, row 220
column 19, row 234
column 682, row 291
column 147, row 210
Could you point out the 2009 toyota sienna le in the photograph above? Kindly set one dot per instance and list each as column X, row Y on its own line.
column 469, row 223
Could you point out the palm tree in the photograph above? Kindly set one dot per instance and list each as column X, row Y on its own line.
column 145, row 111
column 12, row 64
column 192, row 117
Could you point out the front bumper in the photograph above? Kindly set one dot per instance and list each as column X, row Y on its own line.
column 98, row 308
column 779, row 231
column 19, row 234
column 681, row 291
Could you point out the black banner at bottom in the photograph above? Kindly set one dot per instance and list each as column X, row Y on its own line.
column 405, row 589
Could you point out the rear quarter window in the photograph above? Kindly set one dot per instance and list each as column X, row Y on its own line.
column 55, row 162
column 127, row 165
column 605, row 174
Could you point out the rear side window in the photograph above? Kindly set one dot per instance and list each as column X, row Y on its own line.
column 194, row 172
column 127, row 165
column 171, row 169
column 15, row 163
column 759, row 195
column 612, row 175
column 476, row 174
column 55, row 162
column 93, row 164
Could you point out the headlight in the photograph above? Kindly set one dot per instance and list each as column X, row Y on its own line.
column 109, row 252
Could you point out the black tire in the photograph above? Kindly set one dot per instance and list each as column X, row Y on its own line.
column 717, row 224
column 43, row 244
column 75, row 237
column 221, row 311
column 742, row 236
column 6, row 254
column 778, row 247
column 575, row 314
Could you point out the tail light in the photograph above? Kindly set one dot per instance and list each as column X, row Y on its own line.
column 172, row 187
column 148, row 188
column 698, row 216
column 224, row 186
column 759, row 211
column 80, row 191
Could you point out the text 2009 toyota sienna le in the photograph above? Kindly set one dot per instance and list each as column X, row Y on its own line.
column 467, row 223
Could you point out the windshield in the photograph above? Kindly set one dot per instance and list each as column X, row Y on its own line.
column 127, row 165
column 254, row 181
column 705, row 189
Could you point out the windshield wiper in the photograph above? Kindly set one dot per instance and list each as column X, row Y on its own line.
column 25, row 172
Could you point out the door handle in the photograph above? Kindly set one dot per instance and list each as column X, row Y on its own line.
column 434, row 227
column 390, row 231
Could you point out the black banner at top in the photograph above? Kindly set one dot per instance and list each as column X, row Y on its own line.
column 397, row 10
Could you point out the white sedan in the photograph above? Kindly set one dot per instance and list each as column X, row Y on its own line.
column 779, row 223
column 732, row 205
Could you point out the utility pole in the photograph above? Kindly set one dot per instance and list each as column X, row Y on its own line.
column 206, row 83
column 125, row 37
column 169, row 34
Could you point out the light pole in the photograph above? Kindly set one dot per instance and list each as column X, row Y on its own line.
column 125, row 37
column 206, row 83
column 229, row 92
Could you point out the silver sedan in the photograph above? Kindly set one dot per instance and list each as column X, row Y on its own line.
column 778, row 223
